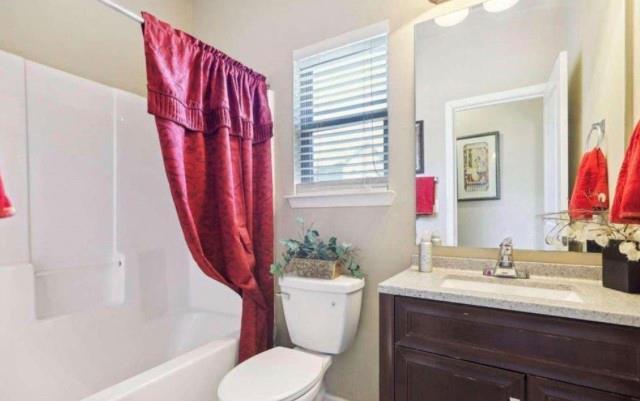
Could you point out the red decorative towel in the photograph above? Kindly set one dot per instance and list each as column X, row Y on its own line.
column 591, row 190
column 425, row 195
column 626, row 205
column 6, row 209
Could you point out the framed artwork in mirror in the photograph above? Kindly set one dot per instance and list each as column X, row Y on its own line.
column 478, row 167
column 420, row 147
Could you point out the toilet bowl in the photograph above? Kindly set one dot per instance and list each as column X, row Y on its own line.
column 280, row 374
column 322, row 317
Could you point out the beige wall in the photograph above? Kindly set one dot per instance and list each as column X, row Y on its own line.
column 598, row 74
column 264, row 34
column 84, row 37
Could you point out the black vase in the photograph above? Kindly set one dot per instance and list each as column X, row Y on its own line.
column 618, row 272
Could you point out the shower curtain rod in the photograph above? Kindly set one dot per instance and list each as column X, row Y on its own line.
column 122, row 10
column 130, row 14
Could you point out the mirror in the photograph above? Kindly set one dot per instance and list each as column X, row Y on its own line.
column 507, row 104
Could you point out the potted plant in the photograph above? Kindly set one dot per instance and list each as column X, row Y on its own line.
column 620, row 256
column 620, row 248
column 310, row 256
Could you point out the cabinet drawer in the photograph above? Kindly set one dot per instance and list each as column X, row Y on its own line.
column 584, row 353
column 426, row 377
column 548, row 390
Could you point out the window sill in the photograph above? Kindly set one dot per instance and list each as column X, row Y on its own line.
column 342, row 199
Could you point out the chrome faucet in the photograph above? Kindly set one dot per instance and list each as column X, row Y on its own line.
column 505, row 266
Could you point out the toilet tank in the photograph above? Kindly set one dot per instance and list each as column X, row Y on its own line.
column 322, row 315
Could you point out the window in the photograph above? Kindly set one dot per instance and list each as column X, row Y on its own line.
column 340, row 113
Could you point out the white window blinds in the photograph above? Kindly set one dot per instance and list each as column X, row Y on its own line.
column 340, row 112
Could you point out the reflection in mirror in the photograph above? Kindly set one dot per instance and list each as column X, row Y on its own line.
column 515, row 109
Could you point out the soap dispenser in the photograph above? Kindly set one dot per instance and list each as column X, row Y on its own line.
column 425, row 263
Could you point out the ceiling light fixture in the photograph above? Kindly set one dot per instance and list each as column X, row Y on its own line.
column 453, row 18
column 496, row 6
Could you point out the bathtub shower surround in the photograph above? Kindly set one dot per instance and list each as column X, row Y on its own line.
column 215, row 129
column 153, row 328
column 72, row 179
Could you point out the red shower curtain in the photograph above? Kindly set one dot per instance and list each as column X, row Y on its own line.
column 215, row 132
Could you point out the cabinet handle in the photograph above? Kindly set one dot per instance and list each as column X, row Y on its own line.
column 513, row 399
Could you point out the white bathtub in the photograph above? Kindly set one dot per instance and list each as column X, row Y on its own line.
column 114, row 354
column 194, row 352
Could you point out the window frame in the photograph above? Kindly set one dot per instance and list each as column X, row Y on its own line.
column 346, row 192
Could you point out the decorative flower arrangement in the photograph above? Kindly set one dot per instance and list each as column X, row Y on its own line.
column 599, row 230
column 310, row 246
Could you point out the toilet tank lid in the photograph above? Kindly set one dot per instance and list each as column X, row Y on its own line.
column 340, row 285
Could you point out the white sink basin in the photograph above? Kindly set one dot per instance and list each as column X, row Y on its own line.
column 553, row 294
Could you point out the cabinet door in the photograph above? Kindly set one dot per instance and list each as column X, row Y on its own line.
column 426, row 377
column 540, row 345
column 548, row 390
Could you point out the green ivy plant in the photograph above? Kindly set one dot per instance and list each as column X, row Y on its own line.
column 311, row 246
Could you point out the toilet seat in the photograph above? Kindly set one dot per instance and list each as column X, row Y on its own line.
column 280, row 374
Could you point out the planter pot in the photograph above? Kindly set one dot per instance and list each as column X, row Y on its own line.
column 618, row 273
column 315, row 268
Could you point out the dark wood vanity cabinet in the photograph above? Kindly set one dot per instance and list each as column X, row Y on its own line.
column 438, row 351
column 427, row 377
column 539, row 389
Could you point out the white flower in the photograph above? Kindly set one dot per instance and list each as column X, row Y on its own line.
column 627, row 247
column 578, row 226
column 602, row 240
column 591, row 231
column 636, row 235
column 568, row 232
column 633, row 255
column 579, row 236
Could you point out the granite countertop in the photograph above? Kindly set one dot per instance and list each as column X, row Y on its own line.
column 593, row 302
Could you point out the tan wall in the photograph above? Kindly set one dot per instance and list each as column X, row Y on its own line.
column 269, row 33
column 84, row 37
column 598, row 75
column 264, row 34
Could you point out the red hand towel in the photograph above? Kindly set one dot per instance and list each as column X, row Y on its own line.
column 626, row 204
column 6, row 209
column 425, row 195
column 600, row 200
column 591, row 189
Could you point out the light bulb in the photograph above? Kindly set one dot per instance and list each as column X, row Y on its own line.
column 496, row 6
column 453, row 18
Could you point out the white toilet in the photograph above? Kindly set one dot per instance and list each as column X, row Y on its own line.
column 322, row 317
